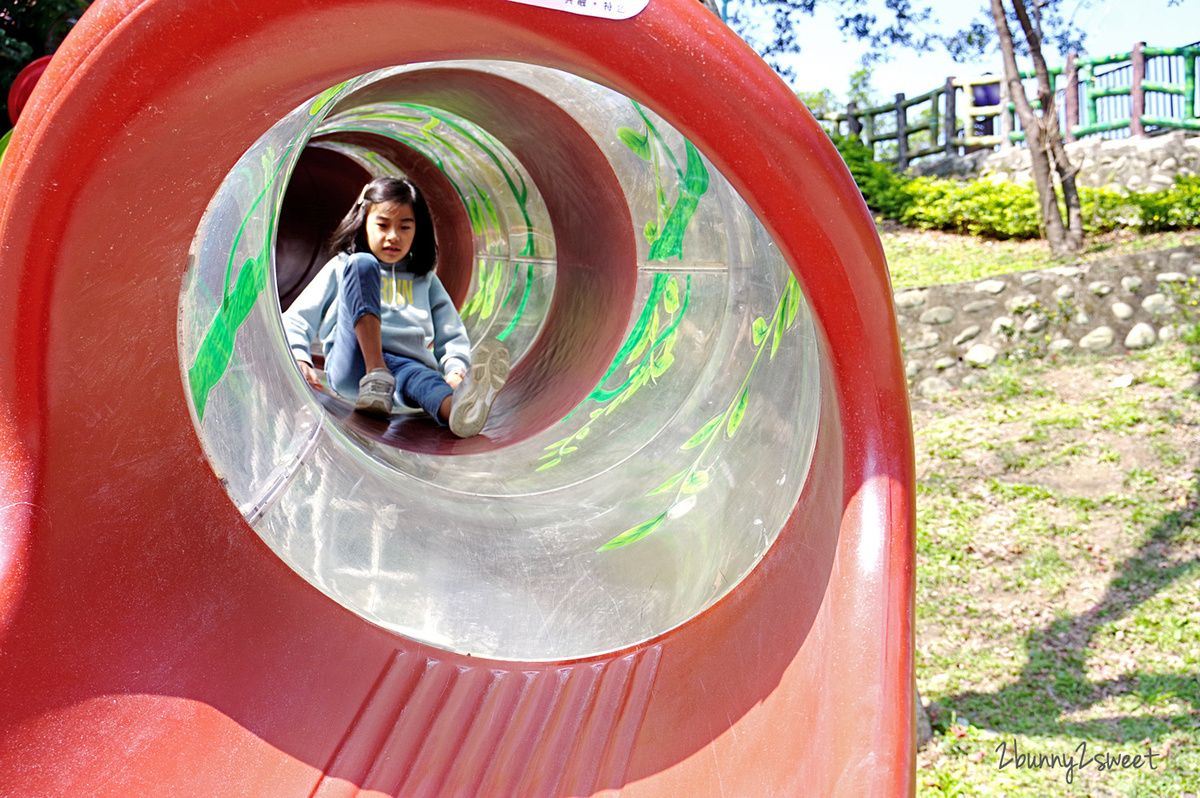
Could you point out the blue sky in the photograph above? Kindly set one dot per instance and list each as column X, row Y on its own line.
column 1113, row 26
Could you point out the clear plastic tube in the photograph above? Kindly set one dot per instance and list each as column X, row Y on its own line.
column 657, row 491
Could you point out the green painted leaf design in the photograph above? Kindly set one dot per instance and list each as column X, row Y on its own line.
column 324, row 97
column 696, row 481
column 551, row 464
column 489, row 293
column 650, row 231
column 670, row 484
column 475, row 215
column 638, row 142
column 670, row 241
column 759, row 331
column 520, row 311
column 471, row 306
column 487, row 273
column 661, row 364
column 647, row 337
column 216, row 348
column 777, row 333
column 695, row 182
column 636, row 533
column 792, row 298
column 704, row 433
column 739, row 412
column 489, row 207
column 671, row 296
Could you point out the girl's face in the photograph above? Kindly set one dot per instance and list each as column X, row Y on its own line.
column 390, row 231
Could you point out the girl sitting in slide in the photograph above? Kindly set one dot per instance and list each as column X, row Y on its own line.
column 390, row 333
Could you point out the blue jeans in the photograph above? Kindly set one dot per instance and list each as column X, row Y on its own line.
column 417, row 385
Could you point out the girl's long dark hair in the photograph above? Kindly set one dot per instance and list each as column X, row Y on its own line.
column 351, row 233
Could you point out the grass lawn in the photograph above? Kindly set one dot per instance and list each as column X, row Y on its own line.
column 923, row 257
column 1058, row 556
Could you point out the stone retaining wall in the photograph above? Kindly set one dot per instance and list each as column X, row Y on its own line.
column 952, row 333
column 1130, row 164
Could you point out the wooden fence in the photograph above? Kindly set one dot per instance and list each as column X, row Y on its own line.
column 1155, row 88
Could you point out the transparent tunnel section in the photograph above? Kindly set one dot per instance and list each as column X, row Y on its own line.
column 512, row 274
column 662, row 413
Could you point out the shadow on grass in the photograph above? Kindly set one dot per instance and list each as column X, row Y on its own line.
column 1054, row 683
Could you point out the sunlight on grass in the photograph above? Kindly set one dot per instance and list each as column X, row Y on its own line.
column 1058, row 548
column 932, row 258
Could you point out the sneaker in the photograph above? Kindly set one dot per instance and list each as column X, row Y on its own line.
column 473, row 400
column 375, row 393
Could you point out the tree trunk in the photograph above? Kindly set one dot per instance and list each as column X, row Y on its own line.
column 1052, row 132
column 1042, row 134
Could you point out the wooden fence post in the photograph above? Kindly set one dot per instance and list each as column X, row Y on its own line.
column 1071, row 102
column 901, row 132
column 935, row 120
column 869, row 131
column 951, row 118
column 853, row 122
column 1137, row 92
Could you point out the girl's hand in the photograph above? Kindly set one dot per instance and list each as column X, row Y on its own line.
column 310, row 374
column 454, row 379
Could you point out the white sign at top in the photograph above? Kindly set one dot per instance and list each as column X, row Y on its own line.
column 609, row 9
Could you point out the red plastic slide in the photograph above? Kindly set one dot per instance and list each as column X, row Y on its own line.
column 152, row 644
column 27, row 78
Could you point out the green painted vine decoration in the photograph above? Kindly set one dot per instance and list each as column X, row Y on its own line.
column 491, row 277
column 238, row 297
column 665, row 233
column 649, row 348
column 482, row 212
column 324, row 98
column 683, row 486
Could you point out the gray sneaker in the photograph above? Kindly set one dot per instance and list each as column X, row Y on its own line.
column 473, row 400
column 375, row 393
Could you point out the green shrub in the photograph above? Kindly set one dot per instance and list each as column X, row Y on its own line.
column 1010, row 210
column 979, row 207
column 883, row 189
column 29, row 30
column 1104, row 210
column 1172, row 209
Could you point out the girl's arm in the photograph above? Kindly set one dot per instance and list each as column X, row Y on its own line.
column 451, row 346
column 302, row 321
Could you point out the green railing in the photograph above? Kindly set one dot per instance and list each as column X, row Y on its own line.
column 1081, row 89
column 948, row 121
